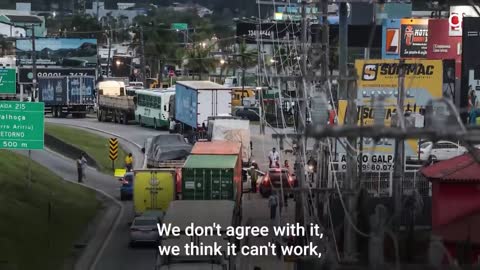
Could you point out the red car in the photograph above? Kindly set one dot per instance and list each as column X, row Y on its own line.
column 275, row 179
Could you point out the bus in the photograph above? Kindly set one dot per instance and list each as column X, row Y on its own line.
column 153, row 107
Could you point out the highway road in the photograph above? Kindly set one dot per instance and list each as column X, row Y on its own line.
column 117, row 255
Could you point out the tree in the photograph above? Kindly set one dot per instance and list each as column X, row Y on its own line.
column 199, row 60
column 5, row 46
column 163, row 45
column 244, row 59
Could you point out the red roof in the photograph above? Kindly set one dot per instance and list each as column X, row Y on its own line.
column 458, row 169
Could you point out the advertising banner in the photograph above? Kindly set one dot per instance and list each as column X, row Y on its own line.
column 455, row 20
column 423, row 82
column 470, row 58
column 391, row 39
column 72, row 52
column 53, row 91
column 414, row 38
column 25, row 75
column 441, row 46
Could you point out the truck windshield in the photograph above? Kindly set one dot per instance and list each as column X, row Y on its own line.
column 191, row 259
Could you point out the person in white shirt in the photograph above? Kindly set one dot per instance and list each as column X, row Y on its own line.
column 274, row 158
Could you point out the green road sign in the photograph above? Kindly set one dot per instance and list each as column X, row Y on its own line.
column 179, row 26
column 8, row 81
column 21, row 125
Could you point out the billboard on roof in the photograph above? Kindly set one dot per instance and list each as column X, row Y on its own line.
column 70, row 52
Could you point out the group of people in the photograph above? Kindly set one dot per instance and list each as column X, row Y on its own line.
column 274, row 160
column 82, row 165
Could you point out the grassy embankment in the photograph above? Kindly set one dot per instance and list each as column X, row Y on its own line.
column 31, row 236
column 94, row 145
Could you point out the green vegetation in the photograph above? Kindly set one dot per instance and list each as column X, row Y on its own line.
column 25, row 229
column 94, row 145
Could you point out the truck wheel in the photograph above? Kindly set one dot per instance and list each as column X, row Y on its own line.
column 125, row 118
column 155, row 123
column 103, row 115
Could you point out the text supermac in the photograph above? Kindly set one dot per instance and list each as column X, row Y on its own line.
column 419, row 74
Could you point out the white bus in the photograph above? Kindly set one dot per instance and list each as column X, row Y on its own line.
column 153, row 108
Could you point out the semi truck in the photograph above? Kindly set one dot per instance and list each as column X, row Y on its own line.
column 200, row 213
column 213, row 177
column 66, row 95
column 153, row 189
column 195, row 101
column 114, row 102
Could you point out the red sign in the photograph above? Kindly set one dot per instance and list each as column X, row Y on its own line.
column 171, row 73
column 442, row 46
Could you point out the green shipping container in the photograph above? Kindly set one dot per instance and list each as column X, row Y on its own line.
column 209, row 177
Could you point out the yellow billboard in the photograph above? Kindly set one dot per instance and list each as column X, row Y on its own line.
column 423, row 82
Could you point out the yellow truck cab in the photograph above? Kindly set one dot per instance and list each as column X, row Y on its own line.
column 238, row 94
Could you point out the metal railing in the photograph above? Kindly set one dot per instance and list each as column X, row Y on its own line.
column 379, row 183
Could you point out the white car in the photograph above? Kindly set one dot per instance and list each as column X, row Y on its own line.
column 144, row 230
column 441, row 150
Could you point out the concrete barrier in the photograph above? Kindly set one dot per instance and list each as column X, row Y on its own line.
column 68, row 150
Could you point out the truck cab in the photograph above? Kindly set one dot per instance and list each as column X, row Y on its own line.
column 201, row 213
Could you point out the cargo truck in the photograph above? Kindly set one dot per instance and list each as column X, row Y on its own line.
column 195, row 101
column 66, row 95
column 200, row 213
column 213, row 177
column 153, row 189
column 114, row 102
column 232, row 130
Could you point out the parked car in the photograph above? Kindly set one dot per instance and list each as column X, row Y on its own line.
column 275, row 179
column 126, row 190
column 144, row 230
column 441, row 150
column 251, row 113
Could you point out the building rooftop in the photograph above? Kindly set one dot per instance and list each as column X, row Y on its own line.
column 24, row 19
column 459, row 169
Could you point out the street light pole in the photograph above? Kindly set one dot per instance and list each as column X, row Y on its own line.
column 109, row 53
column 34, row 65
column 142, row 48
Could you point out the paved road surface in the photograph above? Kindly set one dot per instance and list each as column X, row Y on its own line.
column 118, row 256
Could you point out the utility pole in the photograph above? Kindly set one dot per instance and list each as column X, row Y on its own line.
column 142, row 48
column 346, row 92
column 34, row 65
column 109, row 52
column 398, row 170
column 301, row 115
column 259, row 80
column 98, row 10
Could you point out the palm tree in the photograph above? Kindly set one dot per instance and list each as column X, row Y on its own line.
column 244, row 59
column 199, row 60
column 5, row 46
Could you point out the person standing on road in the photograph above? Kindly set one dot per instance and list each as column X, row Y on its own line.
column 273, row 203
column 472, row 106
column 81, row 165
column 173, row 126
column 254, row 177
column 274, row 158
column 129, row 162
